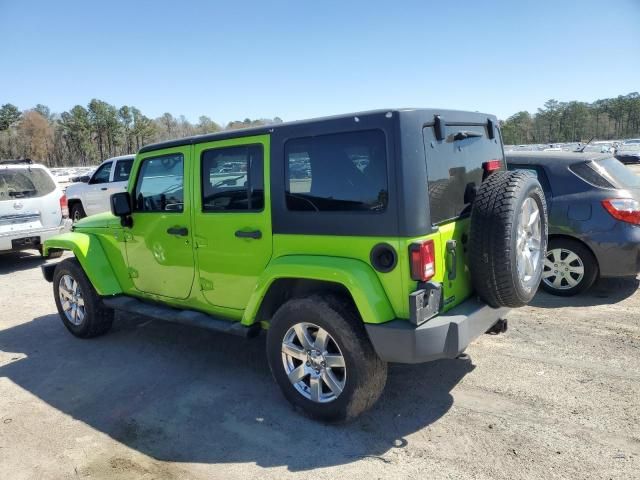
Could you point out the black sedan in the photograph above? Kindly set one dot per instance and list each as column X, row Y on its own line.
column 594, row 217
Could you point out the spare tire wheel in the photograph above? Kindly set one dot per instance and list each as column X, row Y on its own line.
column 508, row 238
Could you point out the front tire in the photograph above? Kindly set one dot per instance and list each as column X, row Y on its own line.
column 322, row 359
column 79, row 306
column 569, row 268
column 77, row 212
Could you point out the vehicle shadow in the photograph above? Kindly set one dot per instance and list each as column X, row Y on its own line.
column 22, row 260
column 182, row 394
column 606, row 291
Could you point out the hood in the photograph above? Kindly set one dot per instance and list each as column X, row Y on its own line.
column 100, row 220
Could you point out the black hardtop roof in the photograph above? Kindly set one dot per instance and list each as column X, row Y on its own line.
column 553, row 158
column 449, row 116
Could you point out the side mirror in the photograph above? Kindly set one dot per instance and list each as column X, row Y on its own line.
column 121, row 207
column 84, row 178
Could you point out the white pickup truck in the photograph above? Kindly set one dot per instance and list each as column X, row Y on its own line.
column 92, row 197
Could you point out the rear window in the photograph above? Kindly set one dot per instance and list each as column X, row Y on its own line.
column 25, row 183
column 338, row 172
column 455, row 167
column 608, row 173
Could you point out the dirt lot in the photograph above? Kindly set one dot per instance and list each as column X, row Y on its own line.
column 558, row 396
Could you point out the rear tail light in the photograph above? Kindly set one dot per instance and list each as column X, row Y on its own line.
column 423, row 260
column 492, row 166
column 64, row 206
column 623, row 209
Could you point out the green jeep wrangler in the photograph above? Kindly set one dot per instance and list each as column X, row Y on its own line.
column 354, row 240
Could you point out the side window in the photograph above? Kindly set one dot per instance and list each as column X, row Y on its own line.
column 338, row 172
column 160, row 184
column 102, row 174
column 123, row 169
column 233, row 179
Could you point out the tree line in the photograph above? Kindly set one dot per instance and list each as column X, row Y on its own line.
column 88, row 135
column 605, row 119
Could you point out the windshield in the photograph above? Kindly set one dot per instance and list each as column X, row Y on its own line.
column 617, row 173
column 25, row 183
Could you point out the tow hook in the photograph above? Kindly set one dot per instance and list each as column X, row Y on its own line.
column 499, row 327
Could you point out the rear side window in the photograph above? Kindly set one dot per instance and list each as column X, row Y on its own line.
column 233, row 179
column 587, row 172
column 455, row 167
column 25, row 183
column 123, row 169
column 160, row 184
column 338, row 172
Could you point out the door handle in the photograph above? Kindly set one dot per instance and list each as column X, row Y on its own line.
column 104, row 188
column 255, row 234
column 182, row 231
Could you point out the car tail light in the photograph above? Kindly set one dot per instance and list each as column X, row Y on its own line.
column 492, row 166
column 423, row 260
column 624, row 209
column 64, row 206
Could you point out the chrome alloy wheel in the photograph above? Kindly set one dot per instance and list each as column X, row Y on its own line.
column 71, row 299
column 313, row 362
column 529, row 243
column 563, row 269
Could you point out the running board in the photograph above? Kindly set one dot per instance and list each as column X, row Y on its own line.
column 184, row 317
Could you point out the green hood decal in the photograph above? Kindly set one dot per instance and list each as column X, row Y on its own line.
column 101, row 220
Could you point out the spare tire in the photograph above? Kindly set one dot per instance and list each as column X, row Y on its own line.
column 508, row 238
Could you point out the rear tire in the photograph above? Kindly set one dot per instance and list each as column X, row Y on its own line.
column 77, row 212
column 79, row 306
column 508, row 238
column 295, row 349
column 575, row 260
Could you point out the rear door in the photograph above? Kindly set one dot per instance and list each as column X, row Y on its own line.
column 232, row 218
column 119, row 177
column 456, row 165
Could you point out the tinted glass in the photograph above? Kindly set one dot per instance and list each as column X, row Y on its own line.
column 25, row 183
column 123, row 169
column 340, row 172
column 617, row 173
column 160, row 184
column 587, row 172
column 454, row 167
column 233, row 179
column 102, row 174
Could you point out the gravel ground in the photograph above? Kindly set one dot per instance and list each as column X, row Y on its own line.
column 557, row 396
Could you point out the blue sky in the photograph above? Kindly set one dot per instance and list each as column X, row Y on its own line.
column 298, row 59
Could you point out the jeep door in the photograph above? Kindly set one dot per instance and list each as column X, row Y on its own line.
column 159, row 243
column 232, row 218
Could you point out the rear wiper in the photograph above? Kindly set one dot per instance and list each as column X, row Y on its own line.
column 462, row 134
column 22, row 193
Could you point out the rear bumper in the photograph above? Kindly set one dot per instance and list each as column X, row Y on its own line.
column 7, row 239
column 617, row 251
column 444, row 336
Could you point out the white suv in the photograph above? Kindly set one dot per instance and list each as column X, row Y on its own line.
column 32, row 206
column 93, row 197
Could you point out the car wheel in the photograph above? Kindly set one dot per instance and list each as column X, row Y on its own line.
column 569, row 268
column 508, row 238
column 79, row 306
column 77, row 212
column 322, row 360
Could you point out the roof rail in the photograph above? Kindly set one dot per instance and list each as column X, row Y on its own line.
column 26, row 161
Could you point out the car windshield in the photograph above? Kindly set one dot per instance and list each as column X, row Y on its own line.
column 617, row 173
column 24, row 183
